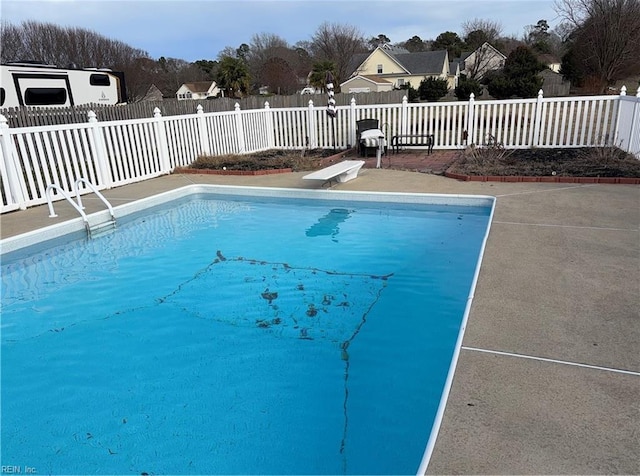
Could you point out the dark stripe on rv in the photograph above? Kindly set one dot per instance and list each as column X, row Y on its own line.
column 17, row 76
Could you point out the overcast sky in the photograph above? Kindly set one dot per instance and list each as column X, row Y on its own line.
column 193, row 30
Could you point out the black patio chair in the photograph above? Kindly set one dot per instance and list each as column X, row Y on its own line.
column 361, row 126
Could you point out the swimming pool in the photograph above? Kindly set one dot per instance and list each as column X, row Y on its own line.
column 231, row 330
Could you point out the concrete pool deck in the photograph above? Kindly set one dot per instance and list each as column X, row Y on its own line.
column 548, row 379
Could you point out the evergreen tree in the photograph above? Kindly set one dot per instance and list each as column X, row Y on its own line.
column 519, row 77
column 432, row 89
column 466, row 86
column 449, row 41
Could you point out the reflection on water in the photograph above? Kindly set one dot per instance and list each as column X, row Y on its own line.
column 329, row 224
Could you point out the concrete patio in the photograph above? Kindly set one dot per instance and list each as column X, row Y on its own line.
column 548, row 380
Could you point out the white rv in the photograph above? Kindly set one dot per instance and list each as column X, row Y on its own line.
column 36, row 84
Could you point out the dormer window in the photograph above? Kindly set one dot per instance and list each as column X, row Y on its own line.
column 379, row 69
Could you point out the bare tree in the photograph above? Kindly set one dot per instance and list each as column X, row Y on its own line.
column 481, row 36
column 78, row 47
column 11, row 41
column 267, row 56
column 60, row 46
column 174, row 72
column 490, row 30
column 606, row 37
column 337, row 43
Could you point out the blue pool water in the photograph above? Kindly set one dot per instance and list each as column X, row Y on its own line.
column 237, row 335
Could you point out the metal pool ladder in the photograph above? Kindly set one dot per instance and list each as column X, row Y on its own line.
column 93, row 230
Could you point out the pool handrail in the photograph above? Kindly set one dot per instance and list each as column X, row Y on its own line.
column 94, row 190
column 52, row 213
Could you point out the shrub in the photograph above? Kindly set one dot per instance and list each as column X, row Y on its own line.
column 433, row 89
column 466, row 86
column 412, row 93
column 519, row 77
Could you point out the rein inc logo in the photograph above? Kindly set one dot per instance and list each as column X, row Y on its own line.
column 13, row 469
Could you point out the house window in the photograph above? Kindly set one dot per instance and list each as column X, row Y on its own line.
column 400, row 82
column 379, row 69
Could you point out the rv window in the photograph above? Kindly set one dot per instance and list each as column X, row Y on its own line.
column 2, row 96
column 45, row 96
column 99, row 80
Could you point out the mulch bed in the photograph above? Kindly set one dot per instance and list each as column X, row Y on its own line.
column 262, row 163
column 570, row 165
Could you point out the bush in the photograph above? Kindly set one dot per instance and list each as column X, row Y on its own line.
column 433, row 89
column 519, row 77
column 412, row 93
column 466, row 86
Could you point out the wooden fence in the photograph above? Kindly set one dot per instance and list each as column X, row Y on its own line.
column 112, row 153
column 39, row 116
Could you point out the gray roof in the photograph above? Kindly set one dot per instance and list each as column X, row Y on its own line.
column 424, row 62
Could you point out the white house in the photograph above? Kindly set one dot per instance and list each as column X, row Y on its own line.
column 198, row 90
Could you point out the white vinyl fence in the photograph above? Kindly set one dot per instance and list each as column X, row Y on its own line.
column 114, row 153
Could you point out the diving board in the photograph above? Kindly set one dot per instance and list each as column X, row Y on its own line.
column 340, row 172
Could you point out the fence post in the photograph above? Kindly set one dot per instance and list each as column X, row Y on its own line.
column 270, row 132
column 312, row 134
column 16, row 186
column 101, row 152
column 239, row 130
column 404, row 116
column 635, row 126
column 616, row 126
column 161, row 137
column 633, row 129
column 537, row 125
column 352, row 122
column 202, row 130
column 470, row 132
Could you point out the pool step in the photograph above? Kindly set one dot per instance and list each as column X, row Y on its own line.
column 101, row 229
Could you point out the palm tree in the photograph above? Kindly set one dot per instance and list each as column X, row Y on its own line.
column 319, row 73
column 233, row 76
